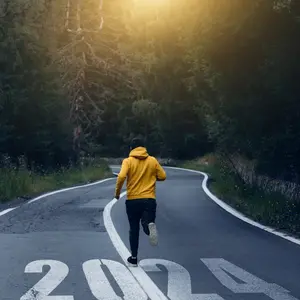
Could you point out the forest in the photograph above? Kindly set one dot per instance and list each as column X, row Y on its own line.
column 81, row 78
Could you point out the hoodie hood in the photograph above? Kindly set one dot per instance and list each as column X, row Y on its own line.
column 139, row 153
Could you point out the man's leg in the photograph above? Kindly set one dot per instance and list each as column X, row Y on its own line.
column 134, row 216
column 148, row 220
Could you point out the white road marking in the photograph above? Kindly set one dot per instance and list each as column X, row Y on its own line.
column 56, row 192
column 252, row 284
column 179, row 280
column 153, row 292
column 3, row 212
column 68, row 189
column 234, row 212
column 129, row 286
column 42, row 287
column 222, row 204
column 98, row 282
column 57, row 273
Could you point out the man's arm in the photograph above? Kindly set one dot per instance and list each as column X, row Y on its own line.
column 160, row 172
column 121, row 178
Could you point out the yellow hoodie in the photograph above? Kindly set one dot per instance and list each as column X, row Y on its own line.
column 142, row 171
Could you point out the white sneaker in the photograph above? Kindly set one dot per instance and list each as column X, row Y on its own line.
column 153, row 234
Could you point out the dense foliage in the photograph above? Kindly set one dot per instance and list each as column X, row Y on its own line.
column 192, row 76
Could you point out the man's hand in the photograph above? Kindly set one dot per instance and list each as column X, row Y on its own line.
column 117, row 197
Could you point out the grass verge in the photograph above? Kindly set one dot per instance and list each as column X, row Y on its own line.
column 271, row 209
column 23, row 183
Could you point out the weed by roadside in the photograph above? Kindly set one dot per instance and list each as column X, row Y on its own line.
column 20, row 182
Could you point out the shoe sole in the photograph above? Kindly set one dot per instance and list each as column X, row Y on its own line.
column 153, row 234
column 131, row 265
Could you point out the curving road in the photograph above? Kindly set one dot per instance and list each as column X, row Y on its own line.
column 59, row 246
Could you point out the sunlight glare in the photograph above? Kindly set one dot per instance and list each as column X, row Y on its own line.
column 150, row 3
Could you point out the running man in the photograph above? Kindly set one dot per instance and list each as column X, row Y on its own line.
column 141, row 171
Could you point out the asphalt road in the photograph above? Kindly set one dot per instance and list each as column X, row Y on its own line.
column 202, row 238
column 59, row 246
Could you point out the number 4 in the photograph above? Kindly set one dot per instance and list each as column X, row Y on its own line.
column 252, row 284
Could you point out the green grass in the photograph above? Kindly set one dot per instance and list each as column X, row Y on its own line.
column 19, row 183
column 269, row 209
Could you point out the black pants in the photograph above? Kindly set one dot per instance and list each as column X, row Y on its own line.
column 139, row 210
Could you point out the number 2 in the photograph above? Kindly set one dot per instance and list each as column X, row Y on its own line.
column 57, row 273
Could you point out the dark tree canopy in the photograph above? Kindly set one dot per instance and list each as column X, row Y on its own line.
column 191, row 76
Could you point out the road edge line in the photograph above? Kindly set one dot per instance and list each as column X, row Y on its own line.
column 69, row 189
column 3, row 212
column 148, row 286
column 236, row 213
column 6, row 211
